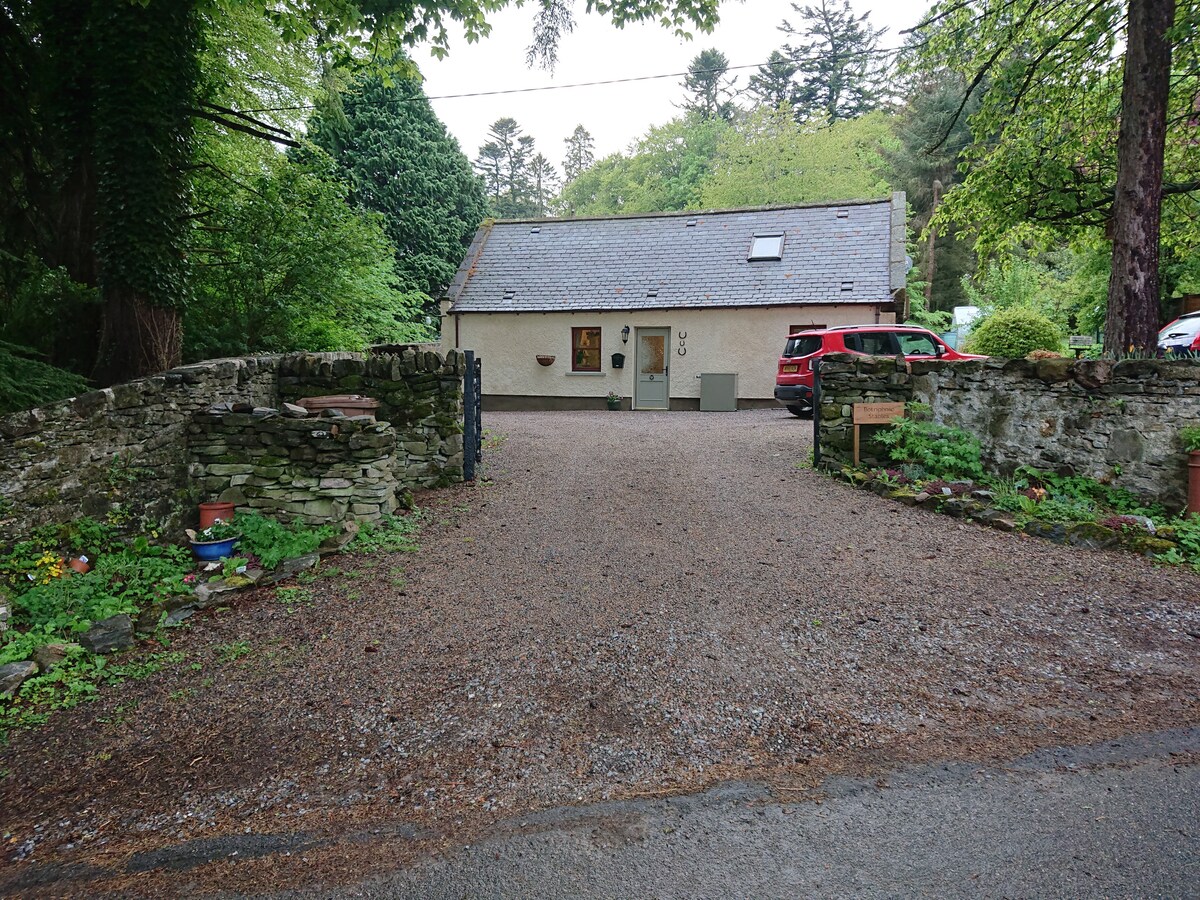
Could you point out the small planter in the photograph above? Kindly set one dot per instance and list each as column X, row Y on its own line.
column 614, row 403
column 346, row 404
column 544, row 360
column 213, row 550
column 211, row 513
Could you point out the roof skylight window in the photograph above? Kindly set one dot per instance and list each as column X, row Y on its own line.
column 766, row 247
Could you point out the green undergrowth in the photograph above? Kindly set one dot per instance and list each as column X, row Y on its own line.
column 26, row 382
column 77, row 679
column 391, row 534
column 942, row 461
column 272, row 542
column 50, row 604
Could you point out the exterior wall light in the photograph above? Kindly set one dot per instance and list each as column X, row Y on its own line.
column 625, row 335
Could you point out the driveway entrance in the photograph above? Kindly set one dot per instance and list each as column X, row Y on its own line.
column 623, row 608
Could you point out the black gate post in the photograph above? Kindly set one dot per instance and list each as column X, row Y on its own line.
column 469, row 417
column 472, row 415
column 816, row 407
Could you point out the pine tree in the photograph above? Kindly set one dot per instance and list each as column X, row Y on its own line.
column 712, row 94
column 543, row 184
column 505, row 163
column 840, row 76
column 926, row 165
column 774, row 83
column 580, row 153
column 399, row 160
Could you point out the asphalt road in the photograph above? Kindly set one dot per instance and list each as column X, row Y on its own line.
column 1115, row 820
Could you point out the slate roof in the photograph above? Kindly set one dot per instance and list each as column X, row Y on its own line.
column 844, row 253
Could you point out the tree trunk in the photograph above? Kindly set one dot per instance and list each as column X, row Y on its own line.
column 1133, row 288
column 144, row 338
column 146, row 79
column 931, row 268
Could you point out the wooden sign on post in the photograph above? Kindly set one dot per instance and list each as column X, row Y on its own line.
column 874, row 414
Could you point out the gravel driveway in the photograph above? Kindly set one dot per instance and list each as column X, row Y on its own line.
column 630, row 606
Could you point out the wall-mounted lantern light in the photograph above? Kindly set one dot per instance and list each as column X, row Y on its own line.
column 625, row 335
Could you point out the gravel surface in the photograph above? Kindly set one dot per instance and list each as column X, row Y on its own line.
column 629, row 606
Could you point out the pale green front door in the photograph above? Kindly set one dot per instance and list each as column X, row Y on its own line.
column 652, row 366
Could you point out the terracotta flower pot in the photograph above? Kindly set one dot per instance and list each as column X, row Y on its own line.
column 1193, row 501
column 80, row 564
column 211, row 512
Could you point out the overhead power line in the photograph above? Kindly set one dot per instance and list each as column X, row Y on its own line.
column 584, row 84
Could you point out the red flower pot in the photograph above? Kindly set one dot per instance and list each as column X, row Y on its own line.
column 211, row 512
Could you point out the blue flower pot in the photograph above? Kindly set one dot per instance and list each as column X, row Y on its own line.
column 213, row 550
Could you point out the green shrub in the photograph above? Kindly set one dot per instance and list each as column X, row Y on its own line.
column 272, row 542
column 940, row 450
column 26, row 383
column 1013, row 333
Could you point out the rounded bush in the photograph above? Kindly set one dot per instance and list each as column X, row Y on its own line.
column 1013, row 333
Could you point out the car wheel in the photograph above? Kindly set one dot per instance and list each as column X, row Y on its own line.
column 801, row 412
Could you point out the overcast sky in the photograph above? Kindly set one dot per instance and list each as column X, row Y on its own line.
column 614, row 114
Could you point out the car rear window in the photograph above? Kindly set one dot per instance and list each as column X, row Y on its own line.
column 802, row 346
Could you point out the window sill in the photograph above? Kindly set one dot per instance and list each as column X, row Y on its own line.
column 586, row 374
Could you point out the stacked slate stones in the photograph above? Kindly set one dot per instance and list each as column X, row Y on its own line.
column 294, row 466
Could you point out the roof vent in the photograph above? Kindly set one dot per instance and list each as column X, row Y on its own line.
column 536, row 229
column 847, row 285
column 843, row 213
column 691, row 223
column 508, row 295
column 653, row 292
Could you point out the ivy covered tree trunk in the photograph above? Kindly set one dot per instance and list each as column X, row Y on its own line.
column 145, row 84
column 1133, row 287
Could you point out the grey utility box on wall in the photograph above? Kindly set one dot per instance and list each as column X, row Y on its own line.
column 718, row 392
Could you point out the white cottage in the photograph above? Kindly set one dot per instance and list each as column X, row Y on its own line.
column 564, row 312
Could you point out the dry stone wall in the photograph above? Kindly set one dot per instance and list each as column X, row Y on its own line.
column 120, row 453
column 1116, row 421
column 419, row 393
column 116, row 453
column 313, row 470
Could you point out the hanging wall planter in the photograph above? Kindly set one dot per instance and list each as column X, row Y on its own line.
column 544, row 360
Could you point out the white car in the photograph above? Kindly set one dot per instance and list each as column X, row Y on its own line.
column 1182, row 336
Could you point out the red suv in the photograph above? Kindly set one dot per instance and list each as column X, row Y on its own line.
column 794, row 381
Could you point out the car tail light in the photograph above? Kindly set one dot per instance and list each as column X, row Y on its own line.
column 1195, row 343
